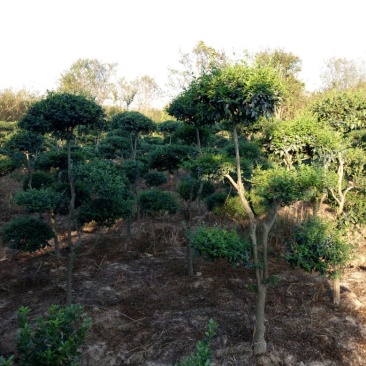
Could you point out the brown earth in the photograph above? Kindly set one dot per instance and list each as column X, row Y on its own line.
column 146, row 310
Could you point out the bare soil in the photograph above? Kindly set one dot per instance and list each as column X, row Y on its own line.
column 146, row 310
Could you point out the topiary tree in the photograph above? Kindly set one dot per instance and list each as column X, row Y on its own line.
column 27, row 234
column 29, row 143
column 41, row 201
column 60, row 114
column 156, row 201
column 168, row 128
column 136, row 124
column 155, row 179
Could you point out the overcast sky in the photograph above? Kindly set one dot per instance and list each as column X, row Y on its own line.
column 42, row 38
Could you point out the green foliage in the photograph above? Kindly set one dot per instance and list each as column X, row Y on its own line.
column 38, row 200
column 301, row 139
column 155, row 179
column 155, row 200
column 168, row 158
column 6, row 362
column 53, row 340
column 343, row 110
column 61, row 113
column 286, row 186
column 318, row 246
column 53, row 160
column 115, row 145
column 188, row 189
column 209, row 166
column 133, row 170
column 215, row 200
column 132, row 122
column 27, row 234
column 215, row 243
column 40, row 180
column 7, row 165
column 238, row 93
column 108, row 197
column 202, row 357
column 25, row 141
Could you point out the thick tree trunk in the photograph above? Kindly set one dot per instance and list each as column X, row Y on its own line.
column 260, row 345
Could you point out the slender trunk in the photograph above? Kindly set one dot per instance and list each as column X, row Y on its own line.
column 70, row 265
column 198, row 140
column 53, row 225
column 128, row 230
column 260, row 344
column 71, row 256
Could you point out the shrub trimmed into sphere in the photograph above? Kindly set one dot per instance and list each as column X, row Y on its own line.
column 27, row 234
column 155, row 179
column 155, row 200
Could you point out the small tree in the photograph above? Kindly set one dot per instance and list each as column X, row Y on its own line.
column 317, row 246
column 136, row 124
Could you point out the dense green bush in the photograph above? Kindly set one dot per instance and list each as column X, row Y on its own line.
column 155, row 200
column 188, row 189
column 6, row 362
column 40, row 179
column 317, row 246
column 155, row 179
column 54, row 340
column 215, row 243
column 133, row 170
column 215, row 200
column 27, row 234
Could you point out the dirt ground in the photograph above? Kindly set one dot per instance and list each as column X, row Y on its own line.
column 146, row 310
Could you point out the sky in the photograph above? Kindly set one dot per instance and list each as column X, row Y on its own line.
column 40, row 39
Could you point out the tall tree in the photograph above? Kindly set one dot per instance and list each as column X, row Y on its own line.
column 288, row 66
column 14, row 104
column 200, row 60
column 60, row 114
column 90, row 77
column 241, row 94
column 342, row 74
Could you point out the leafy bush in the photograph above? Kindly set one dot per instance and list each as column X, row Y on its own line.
column 55, row 339
column 40, row 179
column 215, row 243
column 155, row 200
column 318, row 246
column 133, row 170
column 154, row 179
column 6, row 362
column 188, row 189
column 215, row 200
column 27, row 234
column 202, row 357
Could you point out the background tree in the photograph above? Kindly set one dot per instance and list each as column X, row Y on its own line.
column 200, row 60
column 342, row 74
column 90, row 77
column 14, row 104
column 289, row 67
column 125, row 92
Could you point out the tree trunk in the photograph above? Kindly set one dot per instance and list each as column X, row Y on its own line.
column 70, row 220
column 198, row 140
column 260, row 345
column 70, row 265
column 53, row 225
